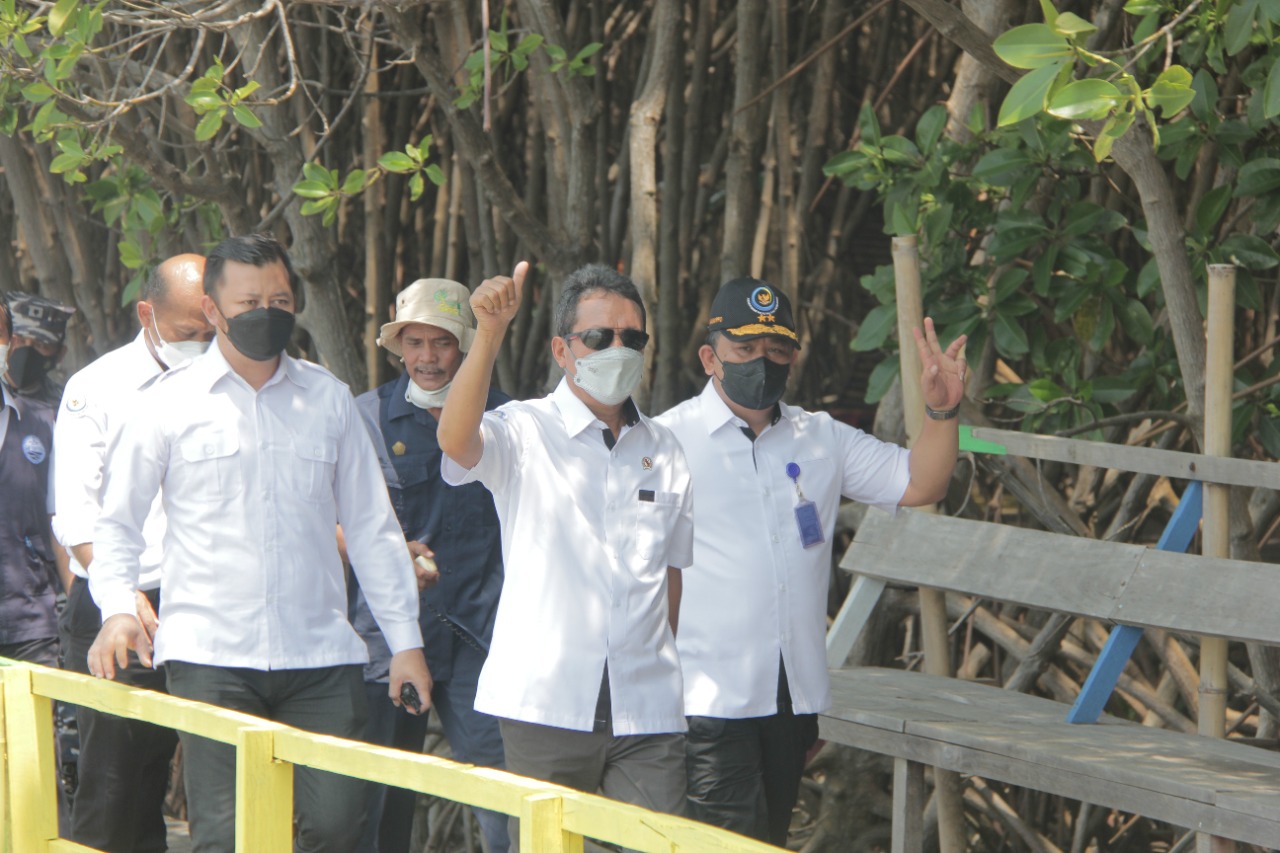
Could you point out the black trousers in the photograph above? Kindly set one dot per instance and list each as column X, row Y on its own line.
column 744, row 774
column 328, row 808
column 124, row 764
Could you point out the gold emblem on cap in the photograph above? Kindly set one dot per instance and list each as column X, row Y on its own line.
column 398, row 448
column 646, row 463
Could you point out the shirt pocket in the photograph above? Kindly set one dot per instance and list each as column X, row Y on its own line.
column 654, row 522
column 312, row 467
column 211, row 465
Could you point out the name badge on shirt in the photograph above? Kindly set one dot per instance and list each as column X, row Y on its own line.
column 807, row 520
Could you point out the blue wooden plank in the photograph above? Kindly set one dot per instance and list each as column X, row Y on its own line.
column 1182, row 527
column 1104, row 675
column 1102, row 679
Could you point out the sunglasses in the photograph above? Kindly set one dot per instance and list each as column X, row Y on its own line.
column 599, row 339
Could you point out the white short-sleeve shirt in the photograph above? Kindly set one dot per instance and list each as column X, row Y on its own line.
column 755, row 593
column 587, row 535
column 96, row 401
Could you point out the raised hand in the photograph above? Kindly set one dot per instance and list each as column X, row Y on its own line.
column 497, row 299
column 942, row 379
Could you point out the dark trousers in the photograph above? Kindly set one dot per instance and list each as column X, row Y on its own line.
column 744, row 775
column 328, row 808
column 124, row 764
column 644, row 770
column 473, row 737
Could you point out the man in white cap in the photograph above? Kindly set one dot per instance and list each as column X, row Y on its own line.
column 431, row 333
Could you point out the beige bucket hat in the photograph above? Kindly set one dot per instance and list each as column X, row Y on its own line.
column 437, row 302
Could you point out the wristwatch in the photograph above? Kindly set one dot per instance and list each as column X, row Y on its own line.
column 945, row 415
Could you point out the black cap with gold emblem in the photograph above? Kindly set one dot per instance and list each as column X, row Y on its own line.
column 748, row 308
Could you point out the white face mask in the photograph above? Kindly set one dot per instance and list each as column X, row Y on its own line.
column 4, row 358
column 609, row 375
column 424, row 399
column 173, row 354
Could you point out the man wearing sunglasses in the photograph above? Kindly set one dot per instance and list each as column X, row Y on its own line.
column 770, row 479
column 596, row 513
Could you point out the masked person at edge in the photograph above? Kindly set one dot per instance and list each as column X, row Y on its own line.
column 33, row 567
column 255, row 455
column 770, row 478
column 431, row 334
column 124, row 763
column 597, row 520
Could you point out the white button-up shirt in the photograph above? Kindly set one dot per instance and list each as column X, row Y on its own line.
column 95, row 402
column 587, row 536
column 755, row 593
column 253, row 484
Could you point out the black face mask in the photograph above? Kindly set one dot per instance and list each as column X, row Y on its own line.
column 755, row 384
column 261, row 334
column 28, row 366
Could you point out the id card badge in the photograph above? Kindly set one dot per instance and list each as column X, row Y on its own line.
column 809, row 523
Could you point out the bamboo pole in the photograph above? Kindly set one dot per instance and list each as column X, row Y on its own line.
column 375, row 285
column 933, row 607
column 1216, row 525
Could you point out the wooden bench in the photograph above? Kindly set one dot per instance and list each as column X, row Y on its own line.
column 1214, row 786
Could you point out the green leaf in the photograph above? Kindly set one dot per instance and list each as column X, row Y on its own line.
column 247, row 89
column 1142, row 7
column 1112, row 389
column 875, row 328
column 587, row 51
column 319, row 174
column 60, row 15
column 245, row 117
column 882, row 379
column 37, row 93
column 1250, row 252
column 1210, row 210
column 1073, row 26
column 354, row 183
column 1032, row 46
column 847, row 161
column 1084, row 100
column 1136, row 321
column 1011, row 340
column 1237, row 30
column 1001, row 166
column 130, row 254
column 66, row 163
column 931, row 127
column 529, row 44
column 1260, row 176
column 131, row 289
column 1027, row 97
column 209, row 125
column 319, row 205
column 416, row 186
column 1171, row 92
column 554, row 51
column 396, row 161
column 311, row 189
column 498, row 41
column 1271, row 92
column 1269, row 434
column 435, row 174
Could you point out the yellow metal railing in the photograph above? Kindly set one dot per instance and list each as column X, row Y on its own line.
column 552, row 818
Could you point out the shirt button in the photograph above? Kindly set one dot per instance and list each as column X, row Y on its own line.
column 316, row 451
column 610, row 507
column 208, row 450
column 775, row 537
